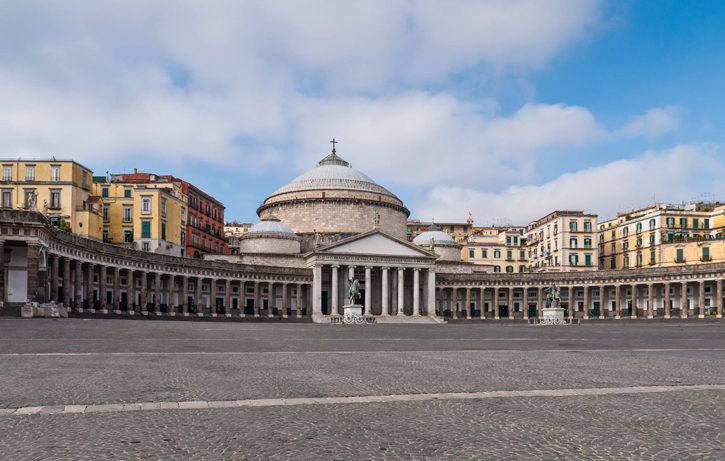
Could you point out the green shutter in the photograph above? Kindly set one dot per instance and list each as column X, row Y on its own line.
column 146, row 229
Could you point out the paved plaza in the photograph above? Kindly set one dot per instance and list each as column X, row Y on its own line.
column 129, row 389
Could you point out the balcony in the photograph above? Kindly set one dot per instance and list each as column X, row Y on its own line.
column 705, row 258
column 680, row 260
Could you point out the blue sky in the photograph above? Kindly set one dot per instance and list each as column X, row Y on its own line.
column 508, row 109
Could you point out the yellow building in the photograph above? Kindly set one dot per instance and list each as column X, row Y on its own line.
column 562, row 241
column 60, row 189
column 498, row 249
column 146, row 212
column 662, row 235
column 460, row 231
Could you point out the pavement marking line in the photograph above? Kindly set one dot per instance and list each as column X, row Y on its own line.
column 437, row 351
column 284, row 402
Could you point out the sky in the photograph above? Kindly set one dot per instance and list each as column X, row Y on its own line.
column 507, row 109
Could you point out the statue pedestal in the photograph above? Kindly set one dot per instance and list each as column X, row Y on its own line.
column 553, row 314
column 352, row 309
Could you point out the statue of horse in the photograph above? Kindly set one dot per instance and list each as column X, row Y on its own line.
column 354, row 292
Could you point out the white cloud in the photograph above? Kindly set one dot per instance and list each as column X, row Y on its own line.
column 654, row 122
column 682, row 173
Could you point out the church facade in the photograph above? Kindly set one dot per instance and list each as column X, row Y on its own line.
column 327, row 227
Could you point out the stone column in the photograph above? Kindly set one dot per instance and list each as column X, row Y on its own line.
column 66, row 282
column 525, row 302
column 587, row 301
column 78, row 291
column 540, row 302
column 90, row 269
column 454, row 303
column 144, row 300
column 184, row 295
column 431, row 301
column 103, row 289
column 618, row 301
column 494, row 305
column 718, row 298
column 416, row 292
column 3, row 276
column 257, row 299
column 198, row 299
column 228, row 299
column 635, row 300
column 667, row 300
column 401, row 291
column 650, row 301
column 242, row 298
column 157, row 293
column 212, row 296
column 33, row 256
column 701, row 300
column 130, row 291
column 385, row 296
column 317, row 293
column 368, row 291
column 511, row 303
column 571, row 300
column 117, row 290
column 603, row 302
column 298, row 301
column 53, row 279
column 270, row 299
column 335, row 301
column 285, row 299
column 683, row 300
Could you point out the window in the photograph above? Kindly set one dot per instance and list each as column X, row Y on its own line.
column 683, row 223
column 471, row 253
column 651, row 240
column 522, row 254
column 484, row 253
column 572, row 226
column 639, row 242
column 55, row 198
column 652, row 257
column 127, row 213
column 145, row 205
column 509, row 255
column 127, row 193
column 30, row 172
column 695, row 223
column 706, row 223
column 588, row 260
column 680, row 255
column 509, row 269
column 587, row 242
column 106, row 214
column 625, row 231
column 574, row 259
column 28, row 197
column 163, row 230
column 613, row 264
column 556, row 229
column 572, row 242
column 163, row 207
column 105, row 234
column 496, row 254
column 587, row 226
column 497, row 268
column 625, row 245
column 104, row 192
column 7, row 198
column 639, row 227
column 146, row 246
column 55, row 172
column 670, row 222
column 183, row 237
column 614, row 235
column 128, row 235
column 7, row 173
column 146, row 229
column 652, row 224
column 705, row 254
column 522, row 268
column 84, row 180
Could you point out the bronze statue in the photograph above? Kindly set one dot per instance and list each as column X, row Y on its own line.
column 354, row 292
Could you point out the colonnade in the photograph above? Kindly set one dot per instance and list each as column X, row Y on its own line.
column 651, row 299
column 387, row 291
column 103, row 288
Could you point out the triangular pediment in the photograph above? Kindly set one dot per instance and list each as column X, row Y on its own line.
column 375, row 243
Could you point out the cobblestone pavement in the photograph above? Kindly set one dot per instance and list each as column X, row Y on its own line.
column 86, row 362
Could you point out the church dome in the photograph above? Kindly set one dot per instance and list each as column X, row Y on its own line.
column 270, row 225
column 333, row 173
column 436, row 236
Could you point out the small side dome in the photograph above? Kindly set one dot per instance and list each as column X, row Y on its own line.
column 270, row 225
column 438, row 237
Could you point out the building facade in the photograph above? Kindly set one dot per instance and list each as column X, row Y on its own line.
column 663, row 235
column 562, row 241
column 497, row 249
column 60, row 189
column 143, row 211
column 205, row 224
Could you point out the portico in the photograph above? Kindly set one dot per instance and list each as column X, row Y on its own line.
column 397, row 278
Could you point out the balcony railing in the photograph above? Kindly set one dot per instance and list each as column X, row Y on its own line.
column 706, row 258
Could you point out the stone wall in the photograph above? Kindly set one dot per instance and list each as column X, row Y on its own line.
column 257, row 243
